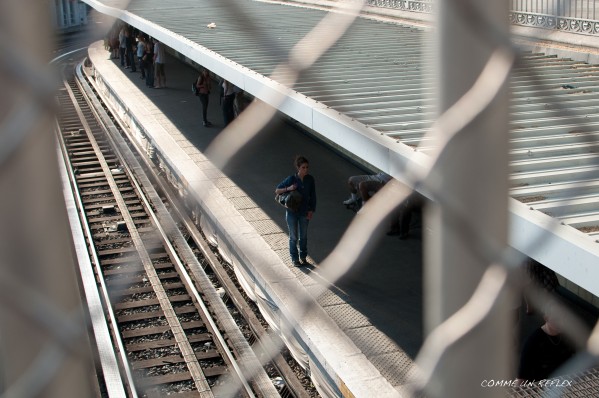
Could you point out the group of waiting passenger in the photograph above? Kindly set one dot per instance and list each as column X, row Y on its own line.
column 232, row 98
column 136, row 49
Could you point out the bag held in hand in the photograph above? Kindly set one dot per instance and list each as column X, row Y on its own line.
column 290, row 200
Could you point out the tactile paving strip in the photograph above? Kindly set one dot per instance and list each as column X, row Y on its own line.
column 396, row 367
column 303, row 276
column 232, row 192
column 371, row 341
column 254, row 214
column 346, row 317
column 326, row 297
column 213, row 173
column 243, row 202
column 223, row 182
column 279, row 242
column 266, row 227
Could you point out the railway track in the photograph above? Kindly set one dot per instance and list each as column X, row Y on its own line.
column 179, row 325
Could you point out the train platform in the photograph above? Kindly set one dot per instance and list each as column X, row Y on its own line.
column 364, row 334
column 377, row 306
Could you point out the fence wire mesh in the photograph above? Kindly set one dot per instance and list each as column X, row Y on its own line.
column 24, row 119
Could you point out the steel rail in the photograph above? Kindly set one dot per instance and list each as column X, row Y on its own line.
column 265, row 339
column 183, row 343
column 238, row 340
column 115, row 385
column 96, row 261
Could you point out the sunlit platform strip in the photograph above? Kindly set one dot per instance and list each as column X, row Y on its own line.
column 344, row 354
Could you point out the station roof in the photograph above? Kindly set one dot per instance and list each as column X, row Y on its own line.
column 372, row 94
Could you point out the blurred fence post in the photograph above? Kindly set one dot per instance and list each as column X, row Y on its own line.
column 475, row 175
column 39, row 297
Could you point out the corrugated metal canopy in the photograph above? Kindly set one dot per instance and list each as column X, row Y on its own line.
column 376, row 80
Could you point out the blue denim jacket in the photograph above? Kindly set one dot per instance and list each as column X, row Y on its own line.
column 307, row 188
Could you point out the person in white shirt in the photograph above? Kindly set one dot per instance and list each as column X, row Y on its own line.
column 361, row 185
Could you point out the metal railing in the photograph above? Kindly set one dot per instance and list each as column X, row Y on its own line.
column 573, row 16
column 426, row 6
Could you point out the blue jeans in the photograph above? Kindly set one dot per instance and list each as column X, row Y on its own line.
column 297, row 224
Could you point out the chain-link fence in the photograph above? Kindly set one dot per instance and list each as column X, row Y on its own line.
column 474, row 276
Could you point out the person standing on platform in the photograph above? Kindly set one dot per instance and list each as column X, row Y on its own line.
column 544, row 351
column 159, row 64
column 141, row 47
column 114, row 42
column 204, row 85
column 130, row 50
column 149, row 63
column 402, row 217
column 240, row 102
column 297, row 221
column 229, row 93
column 122, row 45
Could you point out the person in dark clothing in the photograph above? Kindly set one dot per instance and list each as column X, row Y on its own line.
column 149, row 63
column 402, row 217
column 122, row 45
column 228, row 100
column 130, row 50
column 203, row 85
column 544, row 351
column 297, row 222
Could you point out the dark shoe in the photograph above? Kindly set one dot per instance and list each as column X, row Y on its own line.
column 296, row 263
column 304, row 261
